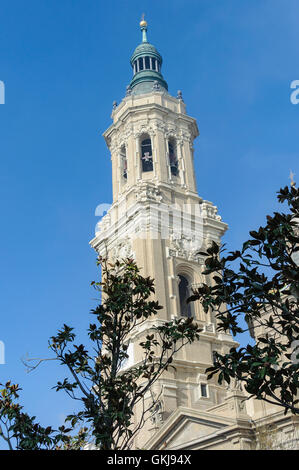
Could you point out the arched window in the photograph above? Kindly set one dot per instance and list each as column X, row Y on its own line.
column 173, row 161
column 184, row 293
column 123, row 157
column 146, row 154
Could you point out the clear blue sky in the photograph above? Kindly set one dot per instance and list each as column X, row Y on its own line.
column 63, row 63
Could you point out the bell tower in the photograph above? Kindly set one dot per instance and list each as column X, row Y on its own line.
column 158, row 218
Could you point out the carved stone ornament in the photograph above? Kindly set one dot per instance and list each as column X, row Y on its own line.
column 210, row 328
column 235, row 385
column 159, row 125
column 148, row 193
column 106, row 222
column 185, row 246
column 120, row 138
column 156, row 416
column 122, row 250
column 171, row 130
column 144, row 128
column 241, row 406
column 208, row 210
column 180, row 95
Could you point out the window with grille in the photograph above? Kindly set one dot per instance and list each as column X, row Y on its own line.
column 124, row 164
column 184, row 293
column 173, row 161
column 146, row 155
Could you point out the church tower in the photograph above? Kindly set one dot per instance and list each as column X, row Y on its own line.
column 158, row 218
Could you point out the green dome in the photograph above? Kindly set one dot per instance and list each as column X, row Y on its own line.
column 146, row 63
column 143, row 49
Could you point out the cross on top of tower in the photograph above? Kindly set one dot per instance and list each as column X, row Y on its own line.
column 143, row 23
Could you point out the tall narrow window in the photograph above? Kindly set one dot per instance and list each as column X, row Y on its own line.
column 147, row 63
column 140, row 61
column 203, row 390
column 184, row 293
column 146, row 155
column 123, row 157
column 173, row 161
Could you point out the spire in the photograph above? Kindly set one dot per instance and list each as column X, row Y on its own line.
column 146, row 63
column 143, row 27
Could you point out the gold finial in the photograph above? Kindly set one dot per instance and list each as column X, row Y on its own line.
column 292, row 178
column 143, row 23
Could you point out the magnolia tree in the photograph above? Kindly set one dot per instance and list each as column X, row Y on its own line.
column 260, row 284
column 22, row 432
column 107, row 392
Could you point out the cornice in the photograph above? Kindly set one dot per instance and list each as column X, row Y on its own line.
column 148, row 107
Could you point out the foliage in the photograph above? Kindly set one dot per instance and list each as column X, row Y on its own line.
column 22, row 431
column 107, row 391
column 264, row 291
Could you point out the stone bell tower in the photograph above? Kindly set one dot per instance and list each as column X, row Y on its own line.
column 158, row 218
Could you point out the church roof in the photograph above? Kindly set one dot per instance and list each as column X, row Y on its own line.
column 146, row 63
column 143, row 49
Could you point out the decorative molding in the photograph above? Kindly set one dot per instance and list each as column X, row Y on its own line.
column 122, row 250
column 144, row 128
column 105, row 222
column 148, row 193
column 209, row 328
column 156, row 416
column 185, row 246
column 210, row 211
column 120, row 138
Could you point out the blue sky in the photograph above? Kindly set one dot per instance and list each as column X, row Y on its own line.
column 63, row 63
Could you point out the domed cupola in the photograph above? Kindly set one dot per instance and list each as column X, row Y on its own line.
column 146, row 63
